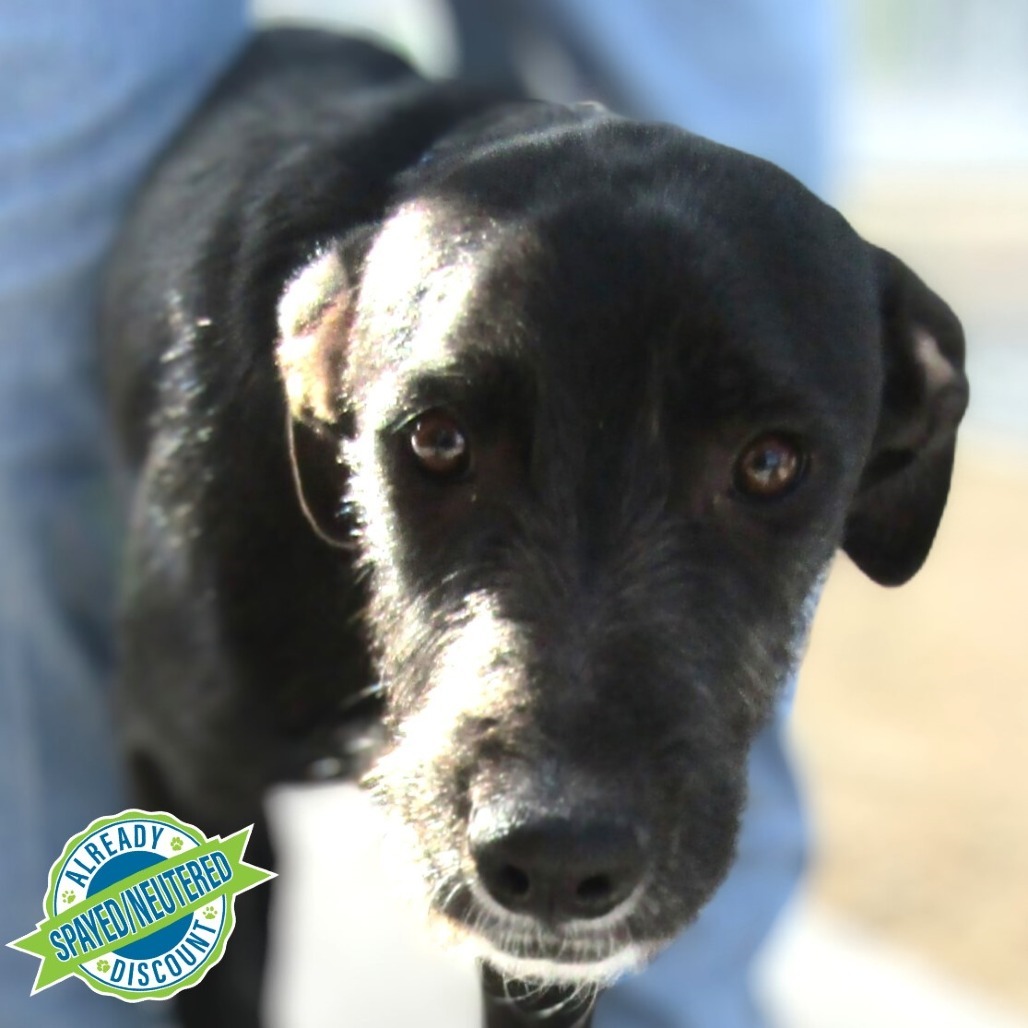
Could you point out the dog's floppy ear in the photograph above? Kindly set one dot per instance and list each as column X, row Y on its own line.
column 315, row 314
column 895, row 514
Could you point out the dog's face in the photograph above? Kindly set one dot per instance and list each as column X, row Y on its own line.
column 612, row 397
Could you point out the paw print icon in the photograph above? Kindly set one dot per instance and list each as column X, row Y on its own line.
column 176, row 843
column 103, row 966
column 68, row 896
column 210, row 913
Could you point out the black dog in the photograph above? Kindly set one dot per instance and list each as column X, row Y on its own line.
column 548, row 421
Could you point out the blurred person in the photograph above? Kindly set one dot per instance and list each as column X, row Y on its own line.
column 754, row 74
column 94, row 92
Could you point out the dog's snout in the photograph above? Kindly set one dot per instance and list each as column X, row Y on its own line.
column 556, row 868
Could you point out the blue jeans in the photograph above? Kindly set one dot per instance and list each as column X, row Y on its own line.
column 754, row 74
column 92, row 91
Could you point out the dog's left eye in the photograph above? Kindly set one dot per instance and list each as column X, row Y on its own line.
column 440, row 444
column 769, row 467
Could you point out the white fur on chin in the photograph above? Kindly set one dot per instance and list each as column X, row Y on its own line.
column 547, row 972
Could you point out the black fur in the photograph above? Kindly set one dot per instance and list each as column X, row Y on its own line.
column 580, row 633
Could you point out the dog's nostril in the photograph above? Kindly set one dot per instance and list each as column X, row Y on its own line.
column 513, row 881
column 594, row 889
column 556, row 869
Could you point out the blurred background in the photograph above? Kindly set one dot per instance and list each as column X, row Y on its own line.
column 913, row 705
column 912, row 717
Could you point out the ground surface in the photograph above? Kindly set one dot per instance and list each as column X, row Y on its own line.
column 912, row 718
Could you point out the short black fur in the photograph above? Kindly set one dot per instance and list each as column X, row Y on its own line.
column 579, row 634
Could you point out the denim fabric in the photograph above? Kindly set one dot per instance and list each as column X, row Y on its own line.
column 92, row 89
column 759, row 75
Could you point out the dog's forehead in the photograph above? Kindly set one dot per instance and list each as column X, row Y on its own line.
column 619, row 280
column 420, row 275
column 451, row 291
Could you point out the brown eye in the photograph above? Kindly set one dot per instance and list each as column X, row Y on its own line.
column 769, row 467
column 440, row 445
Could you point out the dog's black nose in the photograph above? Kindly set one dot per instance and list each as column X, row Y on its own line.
column 556, row 868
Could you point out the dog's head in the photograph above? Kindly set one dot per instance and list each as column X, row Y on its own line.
column 608, row 398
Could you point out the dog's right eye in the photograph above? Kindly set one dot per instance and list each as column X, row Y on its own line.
column 771, row 466
column 440, row 445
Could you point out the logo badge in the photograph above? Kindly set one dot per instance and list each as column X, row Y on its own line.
column 140, row 906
